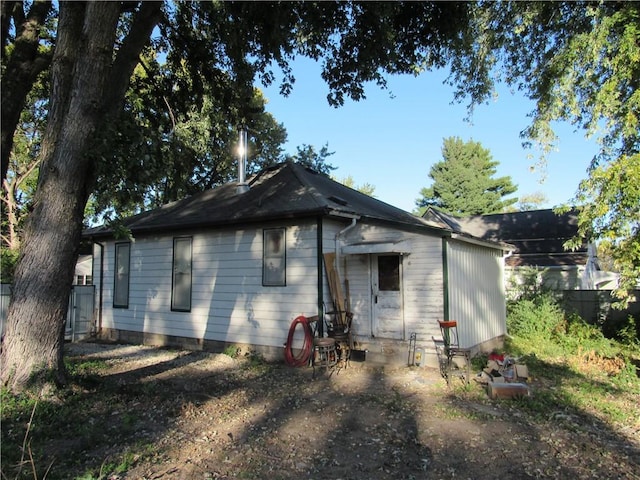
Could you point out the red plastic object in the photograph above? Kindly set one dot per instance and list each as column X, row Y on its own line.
column 448, row 324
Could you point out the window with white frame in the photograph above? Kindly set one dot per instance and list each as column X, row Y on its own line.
column 274, row 259
column 121, row 277
column 181, row 284
column 84, row 280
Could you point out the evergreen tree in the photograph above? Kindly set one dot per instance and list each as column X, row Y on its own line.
column 463, row 182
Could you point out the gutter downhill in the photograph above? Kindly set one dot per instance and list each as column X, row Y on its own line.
column 338, row 235
column 445, row 279
column 100, row 292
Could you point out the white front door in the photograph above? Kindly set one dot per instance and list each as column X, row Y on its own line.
column 388, row 319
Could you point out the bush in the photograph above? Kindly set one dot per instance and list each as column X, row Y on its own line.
column 581, row 336
column 537, row 317
column 627, row 333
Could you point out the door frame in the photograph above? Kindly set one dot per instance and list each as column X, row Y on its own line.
column 373, row 279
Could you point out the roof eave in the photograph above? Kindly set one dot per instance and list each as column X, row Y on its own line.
column 143, row 230
column 505, row 247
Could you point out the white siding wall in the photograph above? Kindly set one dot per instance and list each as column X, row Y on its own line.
column 422, row 282
column 476, row 292
column 229, row 302
column 554, row 278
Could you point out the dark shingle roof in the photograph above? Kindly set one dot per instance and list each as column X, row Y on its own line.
column 538, row 235
column 286, row 190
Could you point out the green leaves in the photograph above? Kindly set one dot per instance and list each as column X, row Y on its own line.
column 463, row 181
column 611, row 215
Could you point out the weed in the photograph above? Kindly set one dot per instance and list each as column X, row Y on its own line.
column 540, row 317
column 231, row 351
column 628, row 333
column 256, row 361
column 479, row 361
column 15, row 406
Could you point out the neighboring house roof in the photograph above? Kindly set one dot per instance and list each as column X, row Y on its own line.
column 286, row 190
column 538, row 235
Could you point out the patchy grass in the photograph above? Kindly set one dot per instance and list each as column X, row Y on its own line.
column 574, row 367
column 30, row 418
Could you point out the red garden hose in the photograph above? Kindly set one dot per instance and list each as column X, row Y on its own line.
column 302, row 358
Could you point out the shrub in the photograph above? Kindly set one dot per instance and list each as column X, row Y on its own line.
column 581, row 336
column 537, row 317
column 627, row 334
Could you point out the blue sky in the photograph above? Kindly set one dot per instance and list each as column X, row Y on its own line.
column 391, row 139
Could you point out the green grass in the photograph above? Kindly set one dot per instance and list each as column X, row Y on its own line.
column 231, row 351
column 574, row 367
column 30, row 417
column 111, row 467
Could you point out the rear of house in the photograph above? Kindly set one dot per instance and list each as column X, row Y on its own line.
column 227, row 268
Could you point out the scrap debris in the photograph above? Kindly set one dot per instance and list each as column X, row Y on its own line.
column 504, row 377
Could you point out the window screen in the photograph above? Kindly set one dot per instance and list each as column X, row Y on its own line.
column 181, row 284
column 274, row 258
column 121, row 277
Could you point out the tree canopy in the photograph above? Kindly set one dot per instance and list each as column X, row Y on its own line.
column 307, row 156
column 463, row 182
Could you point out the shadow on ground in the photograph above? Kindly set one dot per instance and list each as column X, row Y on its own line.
column 161, row 414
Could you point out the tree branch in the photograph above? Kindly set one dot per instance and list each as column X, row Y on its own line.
column 22, row 68
column 145, row 20
column 7, row 8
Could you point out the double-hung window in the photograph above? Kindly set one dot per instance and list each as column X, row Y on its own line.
column 181, row 283
column 274, row 259
column 121, row 277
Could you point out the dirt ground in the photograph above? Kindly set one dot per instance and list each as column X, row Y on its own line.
column 195, row 415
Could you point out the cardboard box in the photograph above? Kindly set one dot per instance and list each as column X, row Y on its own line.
column 493, row 365
column 522, row 371
column 507, row 390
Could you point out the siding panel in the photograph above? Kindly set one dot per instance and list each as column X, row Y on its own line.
column 422, row 282
column 476, row 292
column 229, row 302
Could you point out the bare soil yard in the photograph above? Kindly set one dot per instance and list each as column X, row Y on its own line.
column 162, row 414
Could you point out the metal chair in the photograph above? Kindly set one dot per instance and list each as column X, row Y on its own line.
column 450, row 355
column 324, row 354
column 339, row 328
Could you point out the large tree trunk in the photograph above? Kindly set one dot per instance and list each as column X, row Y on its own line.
column 81, row 66
column 88, row 88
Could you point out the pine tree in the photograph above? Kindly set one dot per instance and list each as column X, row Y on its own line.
column 463, row 182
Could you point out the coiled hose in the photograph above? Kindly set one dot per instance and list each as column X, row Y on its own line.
column 302, row 358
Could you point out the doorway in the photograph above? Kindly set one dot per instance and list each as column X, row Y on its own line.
column 386, row 281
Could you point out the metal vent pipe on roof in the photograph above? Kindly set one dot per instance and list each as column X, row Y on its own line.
column 243, row 186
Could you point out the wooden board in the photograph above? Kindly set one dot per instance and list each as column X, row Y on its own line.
column 335, row 287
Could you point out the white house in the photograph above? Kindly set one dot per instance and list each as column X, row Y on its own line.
column 236, row 266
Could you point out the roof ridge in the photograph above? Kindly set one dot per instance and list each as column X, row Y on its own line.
column 256, row 176
column 314, row 194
